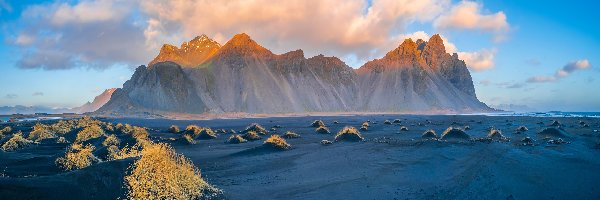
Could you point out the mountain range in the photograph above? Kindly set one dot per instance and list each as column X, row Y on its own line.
column 201, row 76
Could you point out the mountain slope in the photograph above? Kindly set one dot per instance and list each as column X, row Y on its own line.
column 98, row 102
column 243, row 76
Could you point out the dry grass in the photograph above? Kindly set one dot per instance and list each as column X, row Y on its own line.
column 455, row 133
column 189, row 139
column 326, row 142
column 317, row 123
column 251, row 136
column 17, row 141
column 61, row 140
column 111, row 140
column 429, row 134
column 127, row 152
column 403, row 128
column 397, row 121
column 522, row 129
column 387, row 122
column 236, row 139
column 364, row 128
column 365, row 124
column 87, row 121
column 174, row 129
column 277, row 142
column 495, row 134
column 39, row 133
column 192, row 130
column 88, row 133
column 256, row 128
column 78, row 156
column 349, row 134
column 290, row 135
column 206, row 134
column 62, row 127
column 160, row 173
column 139, row 133
column 125, row 129
column 322, row 130
column 5, row 130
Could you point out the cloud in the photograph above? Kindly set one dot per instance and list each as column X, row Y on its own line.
column 11, row 96
column 485, row 82
column 101, row 33
column 38, row 94
column 91, row 34
column 515, row 86
column 480, row 60
column 469, row 15
column 565, row 71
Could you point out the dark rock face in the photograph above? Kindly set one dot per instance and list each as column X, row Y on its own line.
column 242, row 76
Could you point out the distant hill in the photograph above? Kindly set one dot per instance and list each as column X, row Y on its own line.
column 98, row 102
column 202, row 76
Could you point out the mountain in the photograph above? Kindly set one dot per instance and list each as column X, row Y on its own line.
column 98, row 102
column 242, row 76
column 19, row 109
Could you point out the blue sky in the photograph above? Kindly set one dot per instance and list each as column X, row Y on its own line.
column 63, row 53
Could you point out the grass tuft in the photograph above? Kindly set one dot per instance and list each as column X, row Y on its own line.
column 290, row 135
column 349, row 134
column 78, row 156
column 322, row 130
column 88, row 133
column 174, row 129
column 17, row 141
column 318, row 123
column 251, row 136
column 111, row 140
column 236, row 139
column 277, row 142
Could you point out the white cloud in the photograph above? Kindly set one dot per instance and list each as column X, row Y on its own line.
column 469, row 15
column 563, row 72
column 24, row 39
column 480, row 60
column 88, row 11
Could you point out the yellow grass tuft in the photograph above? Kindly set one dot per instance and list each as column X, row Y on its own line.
column 174, row 129
column 78, row 156
column 290, row 135
column 277, row 142
column 349, row 134
column 251, row 136
column 5, row 130
column 236, row 139
column 139, row 133
column 61, row 140
column 322, row 130
column 17, row 141
column 160, row 173
column 88, row 133
column 256, row 128
column 111, row 140
column 39, row 133
column 317, row 123
column 189, row 138
column 127, row 152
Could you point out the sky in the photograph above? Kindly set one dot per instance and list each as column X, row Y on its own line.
column 539, row 54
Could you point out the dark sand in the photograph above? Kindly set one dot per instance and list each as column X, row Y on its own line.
column 389, row 164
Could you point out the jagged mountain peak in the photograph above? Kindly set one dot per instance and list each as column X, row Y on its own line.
column 242, row 44
column 189, row 54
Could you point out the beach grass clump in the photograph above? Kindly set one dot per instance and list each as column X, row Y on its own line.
column 78, row 156
column 251, row 136
column 61, row 140
column 522, row 129
column 189, row 139
column 429, row 134
column 290, row 135
column 277, row 142
column 364, row 128
column 17, row 141
column 111, row 140
column 322, row 130
column 453, row 133
column 349, row 134
column 236, row 139
column 192, row 130
column 40, row 132
column 206, row 134
column 89, row 132
column 387, row 122
column 174, row 129
column 326, row 142
column 256, row 128
column 317, row 123
column 495, row 134
column 554, row 133
column 62, row 127
column 555, row 123
column 397, row 121
column 140, row 133
column 126, row 152
column 161, row 173
column 403, row 128
column 87, row 121
column 5, row 130
column 365, row 124
column 125, row 129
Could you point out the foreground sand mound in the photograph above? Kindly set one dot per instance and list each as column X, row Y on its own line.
column 553, row 133
column 207, row 134
column 453, row 133
column 429, row 134
column 78, row 156
column 348, row 134
column 403, row 128
column 387, row 122
column 276, row 142
column 160, row 173
column 495, row 134
column 317, row 123
column 174, row 129
column 397, row 121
